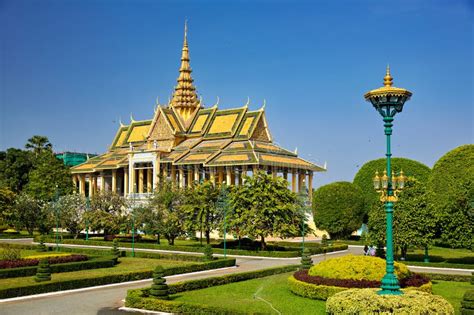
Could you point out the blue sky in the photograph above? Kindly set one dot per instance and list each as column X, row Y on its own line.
column 71, row 69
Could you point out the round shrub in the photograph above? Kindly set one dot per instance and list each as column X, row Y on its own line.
column 367, row 301
column 356, row 268
column 338, row 209
column 452, row 192
column 364, row 176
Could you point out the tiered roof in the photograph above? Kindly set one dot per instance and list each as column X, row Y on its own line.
column 185, row 133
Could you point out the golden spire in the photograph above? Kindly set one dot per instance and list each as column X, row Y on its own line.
column 388, row 80
column 185, row 99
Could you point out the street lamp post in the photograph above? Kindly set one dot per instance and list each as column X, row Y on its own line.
column 388, row 101
column 222, row 203
column 133, row 225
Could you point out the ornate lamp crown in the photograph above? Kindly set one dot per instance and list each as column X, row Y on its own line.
column 388, row 100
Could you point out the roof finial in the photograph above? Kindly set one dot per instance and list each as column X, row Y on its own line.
column 186, row 32
column 388, row 80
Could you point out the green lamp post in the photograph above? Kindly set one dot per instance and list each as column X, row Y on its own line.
column 388, row 101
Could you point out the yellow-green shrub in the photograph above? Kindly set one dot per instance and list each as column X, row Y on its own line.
column 367, row 301
column 50, row 255
column 357, row 268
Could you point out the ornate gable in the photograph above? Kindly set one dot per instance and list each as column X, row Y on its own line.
column 261, row 132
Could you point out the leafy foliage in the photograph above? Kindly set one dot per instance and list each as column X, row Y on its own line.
column 7, row 199
column 49, row 177
column 107, row 212
column 367, row 301
column 452, row 194
column 167, row 201
column 338, row 209
column 414, row 222
column 356, row 268
column 30, row 213
column 201, row 208
column 208, row 252
column 264, row 206
column 15, row 165
column 72, row 209
column 364, row 176
column 39, row 144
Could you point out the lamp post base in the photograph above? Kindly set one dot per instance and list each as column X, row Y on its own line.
column 390, row 285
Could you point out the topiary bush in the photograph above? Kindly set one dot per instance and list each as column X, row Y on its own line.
column 367, row 301
column 467, row 303
column 115, row 250
column 338, row 209
column 208, row 252
column 159, row 288
column 356, row 268
column 366, row 173
column 41, row 246
column 306, row 261
column 44, row 271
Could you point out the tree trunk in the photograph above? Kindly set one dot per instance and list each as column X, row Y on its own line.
column 262, row 243
column 403, row 249
column 170, row 239
column 208, row 237
column 158, row 238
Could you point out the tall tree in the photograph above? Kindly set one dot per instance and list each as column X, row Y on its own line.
column 7, row 199
column 49, row 177
column 264, row 206
column 168, row 201
column 38, row 144
column 338, row 208
column 30, row 213
column 148, row 220
column 107, row 212
column 452, row 193
column 71, row 212
column 15, row 165
column 201, row 209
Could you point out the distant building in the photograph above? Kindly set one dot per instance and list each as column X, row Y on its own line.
column 73, row 158
column 186, row 143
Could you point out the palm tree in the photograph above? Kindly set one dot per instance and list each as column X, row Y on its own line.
column 37, row 144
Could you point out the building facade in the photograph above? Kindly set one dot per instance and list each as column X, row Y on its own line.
column 186, row 142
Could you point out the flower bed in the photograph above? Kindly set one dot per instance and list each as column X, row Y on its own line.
column 339, row 274
column 7, row 264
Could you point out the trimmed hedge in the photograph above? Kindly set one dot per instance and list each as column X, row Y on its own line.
column 140, row 298
column 467, row 303
column 92, row 263
column 312, row 291
column 290, row 252
column 367, row 301
column 136, row 299
column 89, row 282
column 446, row 277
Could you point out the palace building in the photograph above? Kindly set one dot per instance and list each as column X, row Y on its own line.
column 186, row 142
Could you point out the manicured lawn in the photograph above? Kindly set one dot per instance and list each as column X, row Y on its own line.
column 127, row 264
column 445, row 252
column 244, row 296
column 273, row 289
column 451, row 291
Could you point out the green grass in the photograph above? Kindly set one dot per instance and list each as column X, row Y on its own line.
column 445, row 252
column 127, row 264
column 274, row 289
column 240, row 296
column 451, row 291
column 438, row 265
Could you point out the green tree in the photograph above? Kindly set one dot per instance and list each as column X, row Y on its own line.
column 338, row 209
column 452, row 193
column 107, row 212
column 15, row 165
column 49, row 177
column 414, row 223
column 264, row 206
column 364, row 177
column 72, row 209
column 201, row 209
column 38, row 144
column 7, row 200
column 149, row 221
column 167, row 201
column 29, row 214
